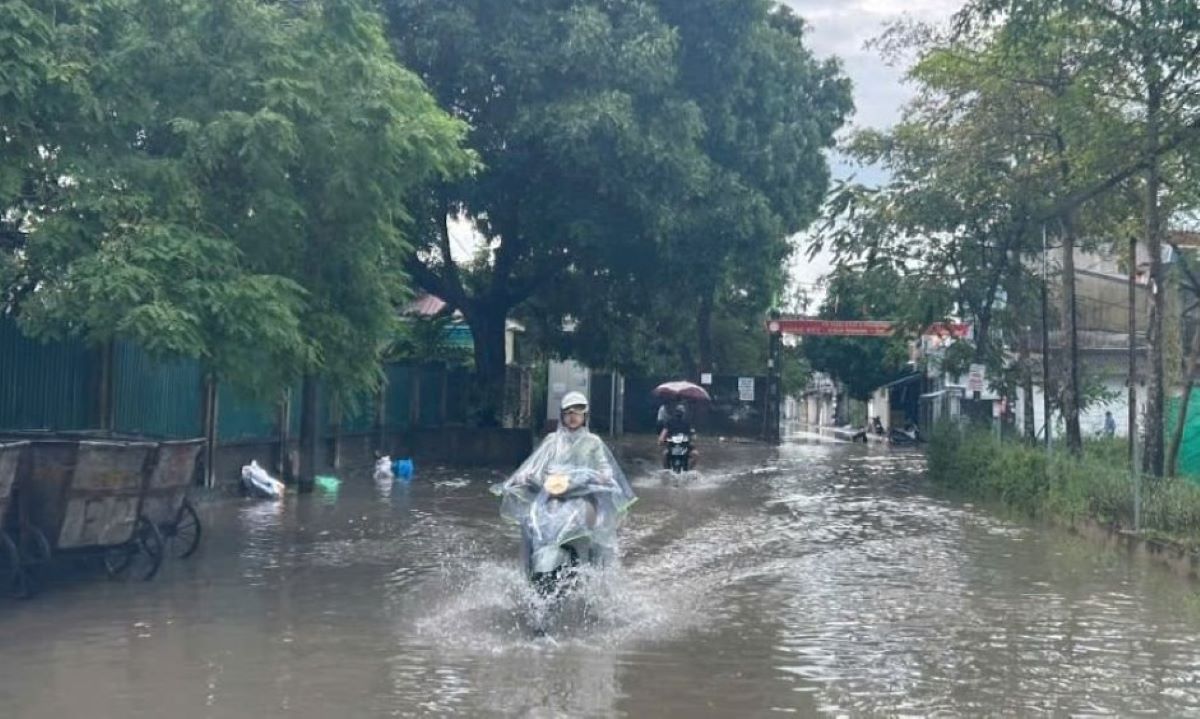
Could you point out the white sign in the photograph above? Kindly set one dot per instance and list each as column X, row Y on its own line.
column 706, row 378
column 976, row 378
column 746, row 389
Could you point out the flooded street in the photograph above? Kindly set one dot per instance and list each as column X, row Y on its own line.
column 813, row 579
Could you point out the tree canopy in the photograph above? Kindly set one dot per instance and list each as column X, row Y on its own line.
column 219, row 180
column 639, row 157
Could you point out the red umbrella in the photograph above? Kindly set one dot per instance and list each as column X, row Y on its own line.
column 681, row 390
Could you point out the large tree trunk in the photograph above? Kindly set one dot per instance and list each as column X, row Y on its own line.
column 1071, row 394
column 704, row 329
column 487, row 330
column 1156, row 399
column 310, row 438
column 983, row 332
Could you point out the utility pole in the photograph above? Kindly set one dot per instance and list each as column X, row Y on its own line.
column 1046, row 409
column 1135, row 469
column 774, row 389
column 1132, row 389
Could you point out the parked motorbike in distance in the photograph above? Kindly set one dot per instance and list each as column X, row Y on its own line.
column 908, row 436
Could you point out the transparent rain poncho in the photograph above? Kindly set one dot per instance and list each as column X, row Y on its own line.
column 585, row 457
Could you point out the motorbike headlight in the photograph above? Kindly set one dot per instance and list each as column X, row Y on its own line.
column 556, row 484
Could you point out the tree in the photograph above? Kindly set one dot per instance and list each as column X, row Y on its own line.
column 581, row 141
column 640, row 155
column 861, row 364
column 770, row 111
column 1147, row 56
column 998, row 136
column 231, row 189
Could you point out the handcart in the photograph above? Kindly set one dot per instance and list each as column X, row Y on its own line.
column 166, row 501
column 85, row 497
column 13, row 577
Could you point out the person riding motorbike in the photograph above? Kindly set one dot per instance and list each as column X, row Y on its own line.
column 677, row 424
column 574, row 446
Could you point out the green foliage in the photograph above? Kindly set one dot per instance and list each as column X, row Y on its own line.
column 1062, row 487
column 217, row 179
column 644, row 163
column 427, row 340
column 795, row 371
column 769, row 109
column 862, row 364
column 1002, row 131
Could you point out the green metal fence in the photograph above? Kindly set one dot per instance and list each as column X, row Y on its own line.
column 242, row 417
column 156, row 398
column 397, row 403
column 45, row 386
column 57, row 386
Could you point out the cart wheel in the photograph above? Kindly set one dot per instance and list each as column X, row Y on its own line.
column 35, row 552
column 183, row 537
column 10, row 566
column 140, row 557
column 35, row 548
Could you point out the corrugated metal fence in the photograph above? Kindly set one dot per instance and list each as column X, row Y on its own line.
column 59, row 386
column 43, row 385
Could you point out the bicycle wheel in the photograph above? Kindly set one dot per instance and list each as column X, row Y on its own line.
column 10, row 566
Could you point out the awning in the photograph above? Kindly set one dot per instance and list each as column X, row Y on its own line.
column 903, row 380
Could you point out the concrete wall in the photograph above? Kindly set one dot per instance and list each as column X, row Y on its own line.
column 817, row 410
column 1091, row 420
column 880, row 406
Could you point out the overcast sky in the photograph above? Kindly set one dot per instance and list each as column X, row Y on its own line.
column 842, row 28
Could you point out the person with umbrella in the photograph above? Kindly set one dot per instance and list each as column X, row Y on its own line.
column 677, row 424
column 664, row 414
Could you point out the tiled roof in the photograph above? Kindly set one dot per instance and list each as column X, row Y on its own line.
column 425, row 305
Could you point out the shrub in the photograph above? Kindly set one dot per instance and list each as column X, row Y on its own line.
column 1060, row 486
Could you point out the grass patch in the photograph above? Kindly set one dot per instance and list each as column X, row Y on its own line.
column 1097, row 486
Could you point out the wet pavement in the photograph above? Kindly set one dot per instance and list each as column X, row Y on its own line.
column 813, row 579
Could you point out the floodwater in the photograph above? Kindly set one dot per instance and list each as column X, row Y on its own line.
column 815, row 579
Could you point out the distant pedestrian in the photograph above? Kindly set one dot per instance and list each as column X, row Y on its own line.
column 1110, row 425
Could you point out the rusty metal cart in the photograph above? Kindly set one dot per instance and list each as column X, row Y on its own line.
column 13, row 576
column 86, row 497
column 166, row 500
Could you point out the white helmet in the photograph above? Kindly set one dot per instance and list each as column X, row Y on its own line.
column 574, row 399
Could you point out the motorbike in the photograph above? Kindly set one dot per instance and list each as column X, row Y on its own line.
column 679, row 453
column 568, row 518
column 905, row 437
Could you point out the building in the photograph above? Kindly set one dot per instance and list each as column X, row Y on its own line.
column 458, row 332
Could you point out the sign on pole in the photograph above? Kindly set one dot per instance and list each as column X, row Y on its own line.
column 976, row 378
column 746, row 389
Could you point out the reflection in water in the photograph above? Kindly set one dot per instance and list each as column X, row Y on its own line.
column 819, row 578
